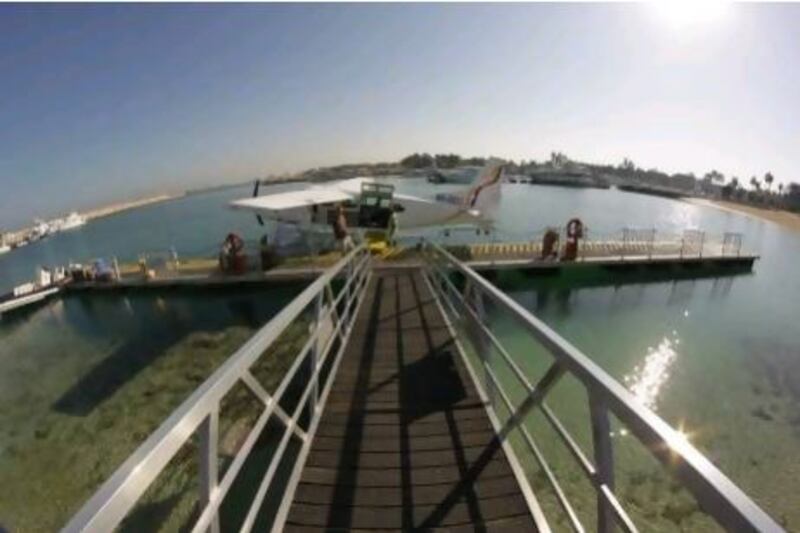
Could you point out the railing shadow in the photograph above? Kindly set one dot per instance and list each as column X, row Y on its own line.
column 428, row 383
column 140, row 351
column 346, row 472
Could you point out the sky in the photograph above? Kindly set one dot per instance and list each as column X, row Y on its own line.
column 100, row 103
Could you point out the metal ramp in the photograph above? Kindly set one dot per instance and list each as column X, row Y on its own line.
column 403, row 410
column 405, row 441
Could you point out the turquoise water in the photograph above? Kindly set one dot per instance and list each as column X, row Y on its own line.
column 719, row 357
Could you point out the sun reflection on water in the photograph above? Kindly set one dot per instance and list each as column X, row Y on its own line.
column 646, row 381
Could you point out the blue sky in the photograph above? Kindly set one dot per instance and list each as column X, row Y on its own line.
column 104, row 102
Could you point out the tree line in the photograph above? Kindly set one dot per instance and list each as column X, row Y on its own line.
column 712, row 183
column 425, row 160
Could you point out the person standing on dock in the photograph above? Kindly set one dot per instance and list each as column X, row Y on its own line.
column 343, row 239
column 268, row 257
column 391, row 229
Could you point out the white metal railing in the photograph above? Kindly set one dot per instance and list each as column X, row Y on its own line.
column 626, row 243
column 715, row 493
column 332, row 319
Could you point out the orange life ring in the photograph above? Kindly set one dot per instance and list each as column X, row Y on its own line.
column 575, row 228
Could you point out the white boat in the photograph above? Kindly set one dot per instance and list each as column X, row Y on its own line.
column 21, row 298
column 4, row 248
column 41, row 229
column 49, row 282
column 73, row 220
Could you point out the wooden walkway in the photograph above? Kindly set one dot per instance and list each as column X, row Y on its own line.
column 405, row 441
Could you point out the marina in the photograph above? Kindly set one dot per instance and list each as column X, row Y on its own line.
column 268, row 267
column 507, row 259
column 384, row 359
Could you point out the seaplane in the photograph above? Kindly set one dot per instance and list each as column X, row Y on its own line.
column 369, row 204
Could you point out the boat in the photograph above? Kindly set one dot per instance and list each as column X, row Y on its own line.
column 41, row 229
column 25, row 294
column 4, row 248
column 72, row 221
column 49, row 282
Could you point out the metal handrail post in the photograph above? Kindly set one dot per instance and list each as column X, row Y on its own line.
column 484, row 346
column 604, row 461
column 624, row 243
column 348, row 290
column 314, row 359
column 209, row 462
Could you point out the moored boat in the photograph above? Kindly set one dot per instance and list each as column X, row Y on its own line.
column 49, row 282
column 72, row 221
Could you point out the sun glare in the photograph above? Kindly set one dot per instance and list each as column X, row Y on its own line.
column 682, row 14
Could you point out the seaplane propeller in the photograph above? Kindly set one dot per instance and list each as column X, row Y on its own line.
column 255, row 194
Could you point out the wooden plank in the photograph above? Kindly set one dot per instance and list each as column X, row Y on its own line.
column 501, row 525
column 397, row 477
column 513, row 524
column 395, row 459
column 419, row 443
column 423, row 495
column 368, row 418
column 396, row 430
column 461, row 513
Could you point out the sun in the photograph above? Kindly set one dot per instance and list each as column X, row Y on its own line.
column 682, row 14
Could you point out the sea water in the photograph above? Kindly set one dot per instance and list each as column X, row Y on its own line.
column 84, row 379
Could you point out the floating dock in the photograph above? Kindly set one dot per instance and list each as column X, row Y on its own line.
column 11, row 303
column 664, row 260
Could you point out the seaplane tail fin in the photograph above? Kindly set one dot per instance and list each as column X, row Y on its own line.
column 484, row 193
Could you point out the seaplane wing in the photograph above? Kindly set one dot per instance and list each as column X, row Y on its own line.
column 294, row 199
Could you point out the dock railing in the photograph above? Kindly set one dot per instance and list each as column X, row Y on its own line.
column 629, row 243
column 465, row 297
column 331, row 309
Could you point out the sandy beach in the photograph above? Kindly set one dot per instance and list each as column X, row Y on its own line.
column 786, row 219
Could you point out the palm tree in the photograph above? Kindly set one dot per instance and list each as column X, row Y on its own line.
column 755, row 183
column 714, row 175
column 768, row 179
column 780, row 188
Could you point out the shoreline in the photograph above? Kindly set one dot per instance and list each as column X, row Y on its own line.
column 119, row 207
column 783, row 218
column 13, row 238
